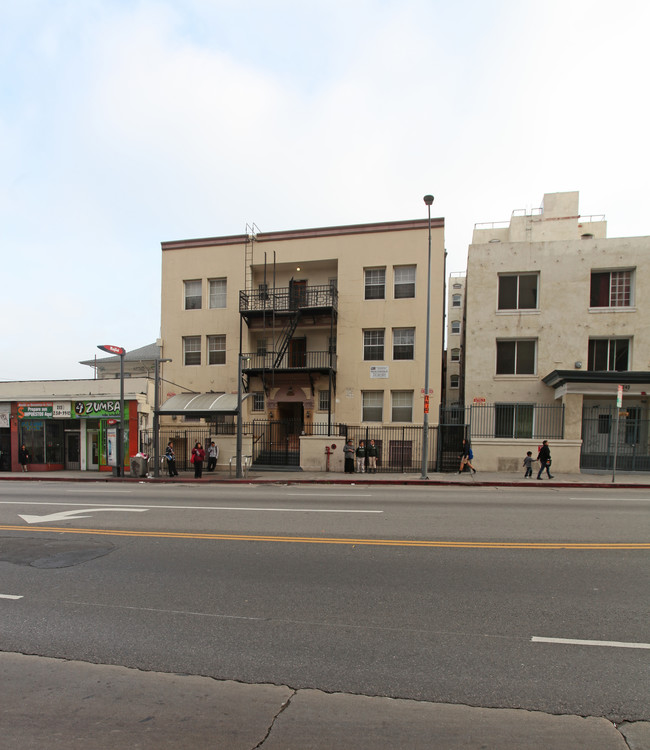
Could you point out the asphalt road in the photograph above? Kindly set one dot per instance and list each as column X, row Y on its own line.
column 481, row 596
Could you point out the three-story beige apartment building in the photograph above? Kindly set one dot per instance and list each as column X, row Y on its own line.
column 558, row 324
column 328, row 326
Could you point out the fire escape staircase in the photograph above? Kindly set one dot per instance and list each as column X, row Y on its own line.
column 285, row 337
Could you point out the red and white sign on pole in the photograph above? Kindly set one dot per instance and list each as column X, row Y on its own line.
column 619, row 397
column 112, row 349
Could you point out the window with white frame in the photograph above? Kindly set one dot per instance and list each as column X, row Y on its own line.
column 518, row 291
column 191, row 350
column 455, row 326
column 193, row 294
column 403, row 343
column 455, row 355
column 217, row 293
column 323, row 400
column 516, row 357
column 404, row 279
column 373, row 344
column 611, row 355
column 258, row 400
column 402, row 406
column 611, row 288
column 454, row 381
column 216, row 350
column 456, row 300
column 373, row 406
column 375, row 283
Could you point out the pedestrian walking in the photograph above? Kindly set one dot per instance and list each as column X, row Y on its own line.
column 171, row 460
column 466, row 456
column 23, row 457
column 544, row 458
column 372, row 453
column 213, row 454
column 198, row 457
column 348, row 455
column 528, row 464
column 361, row 457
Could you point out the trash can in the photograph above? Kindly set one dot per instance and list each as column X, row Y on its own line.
column 138, row 466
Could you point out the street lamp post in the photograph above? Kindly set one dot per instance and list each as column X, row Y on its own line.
column 156, row 417
column 428, row 199
column 120, row 441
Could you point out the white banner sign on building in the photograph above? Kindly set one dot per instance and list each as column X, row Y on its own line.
column 5, row 411
column 378, row 371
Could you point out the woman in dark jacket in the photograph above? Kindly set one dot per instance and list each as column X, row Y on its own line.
column 348, row 455
column 23, row 456
column 198, row 454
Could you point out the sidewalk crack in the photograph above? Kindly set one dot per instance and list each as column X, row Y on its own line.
column 283, row 707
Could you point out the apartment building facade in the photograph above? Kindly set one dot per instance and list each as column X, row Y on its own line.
column 558, row 332
column 454, row 353
column 326, row 325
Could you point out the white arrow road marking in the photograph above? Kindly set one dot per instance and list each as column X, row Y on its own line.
column 67, row 514
column 577, row 642
column 9, row 596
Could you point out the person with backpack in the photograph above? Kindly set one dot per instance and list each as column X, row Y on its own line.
column 466, row 456
column 361, row 457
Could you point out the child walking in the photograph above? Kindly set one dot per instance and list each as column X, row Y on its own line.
column 528, row 463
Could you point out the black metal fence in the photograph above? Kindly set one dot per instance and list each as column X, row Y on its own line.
column 288, row 298
column 513, row 420
column 603, row 439
column 399, row 449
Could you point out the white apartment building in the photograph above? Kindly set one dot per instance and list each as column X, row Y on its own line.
column 328, row 326
column 558, row 316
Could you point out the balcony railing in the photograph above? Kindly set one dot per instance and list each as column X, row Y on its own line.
column 288, row 298
column 296, row 360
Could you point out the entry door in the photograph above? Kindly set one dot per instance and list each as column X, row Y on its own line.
column 298, row 352
column 298, row 293
column 72, row 451
column 92, row 450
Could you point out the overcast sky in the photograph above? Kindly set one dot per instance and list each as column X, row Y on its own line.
column 125, row 123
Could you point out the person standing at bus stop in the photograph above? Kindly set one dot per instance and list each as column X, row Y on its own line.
column 198, row 457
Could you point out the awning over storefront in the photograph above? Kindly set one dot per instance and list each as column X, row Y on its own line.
column 201, row 404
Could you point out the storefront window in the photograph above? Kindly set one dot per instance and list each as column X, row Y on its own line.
column 54, row 442
column 32, row 436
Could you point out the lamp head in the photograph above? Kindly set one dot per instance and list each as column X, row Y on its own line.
column 428, row 199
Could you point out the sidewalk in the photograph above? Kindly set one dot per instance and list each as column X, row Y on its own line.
column 70, row 705
column 480, row 479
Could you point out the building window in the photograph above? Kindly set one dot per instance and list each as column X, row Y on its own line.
column 454, row 381
column 217, row 293
column 404, row 282
column 513, row 420
column 516, row 357
column 455, row 355
column 192, row 350
column 216, row 350
column 609, row 355
column 323, row 400
column 193, row 294
column 456, row 300
column 373, row 344
column 403, row 343
column 258, row 400
column 402, row 410
column 455, row 326
column 611, row 289
column 375, row 283
column 373, row 406
column 518, row 291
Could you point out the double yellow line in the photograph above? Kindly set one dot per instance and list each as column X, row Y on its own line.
column 335, row 540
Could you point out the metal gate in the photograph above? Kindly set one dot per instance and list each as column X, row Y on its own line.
column 277, row 443
column 602, row 438
column 454, row 426
column 399, row 449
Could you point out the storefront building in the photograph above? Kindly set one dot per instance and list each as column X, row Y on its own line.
column 78, row 432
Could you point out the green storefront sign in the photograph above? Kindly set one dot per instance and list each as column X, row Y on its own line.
column 95, row 408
